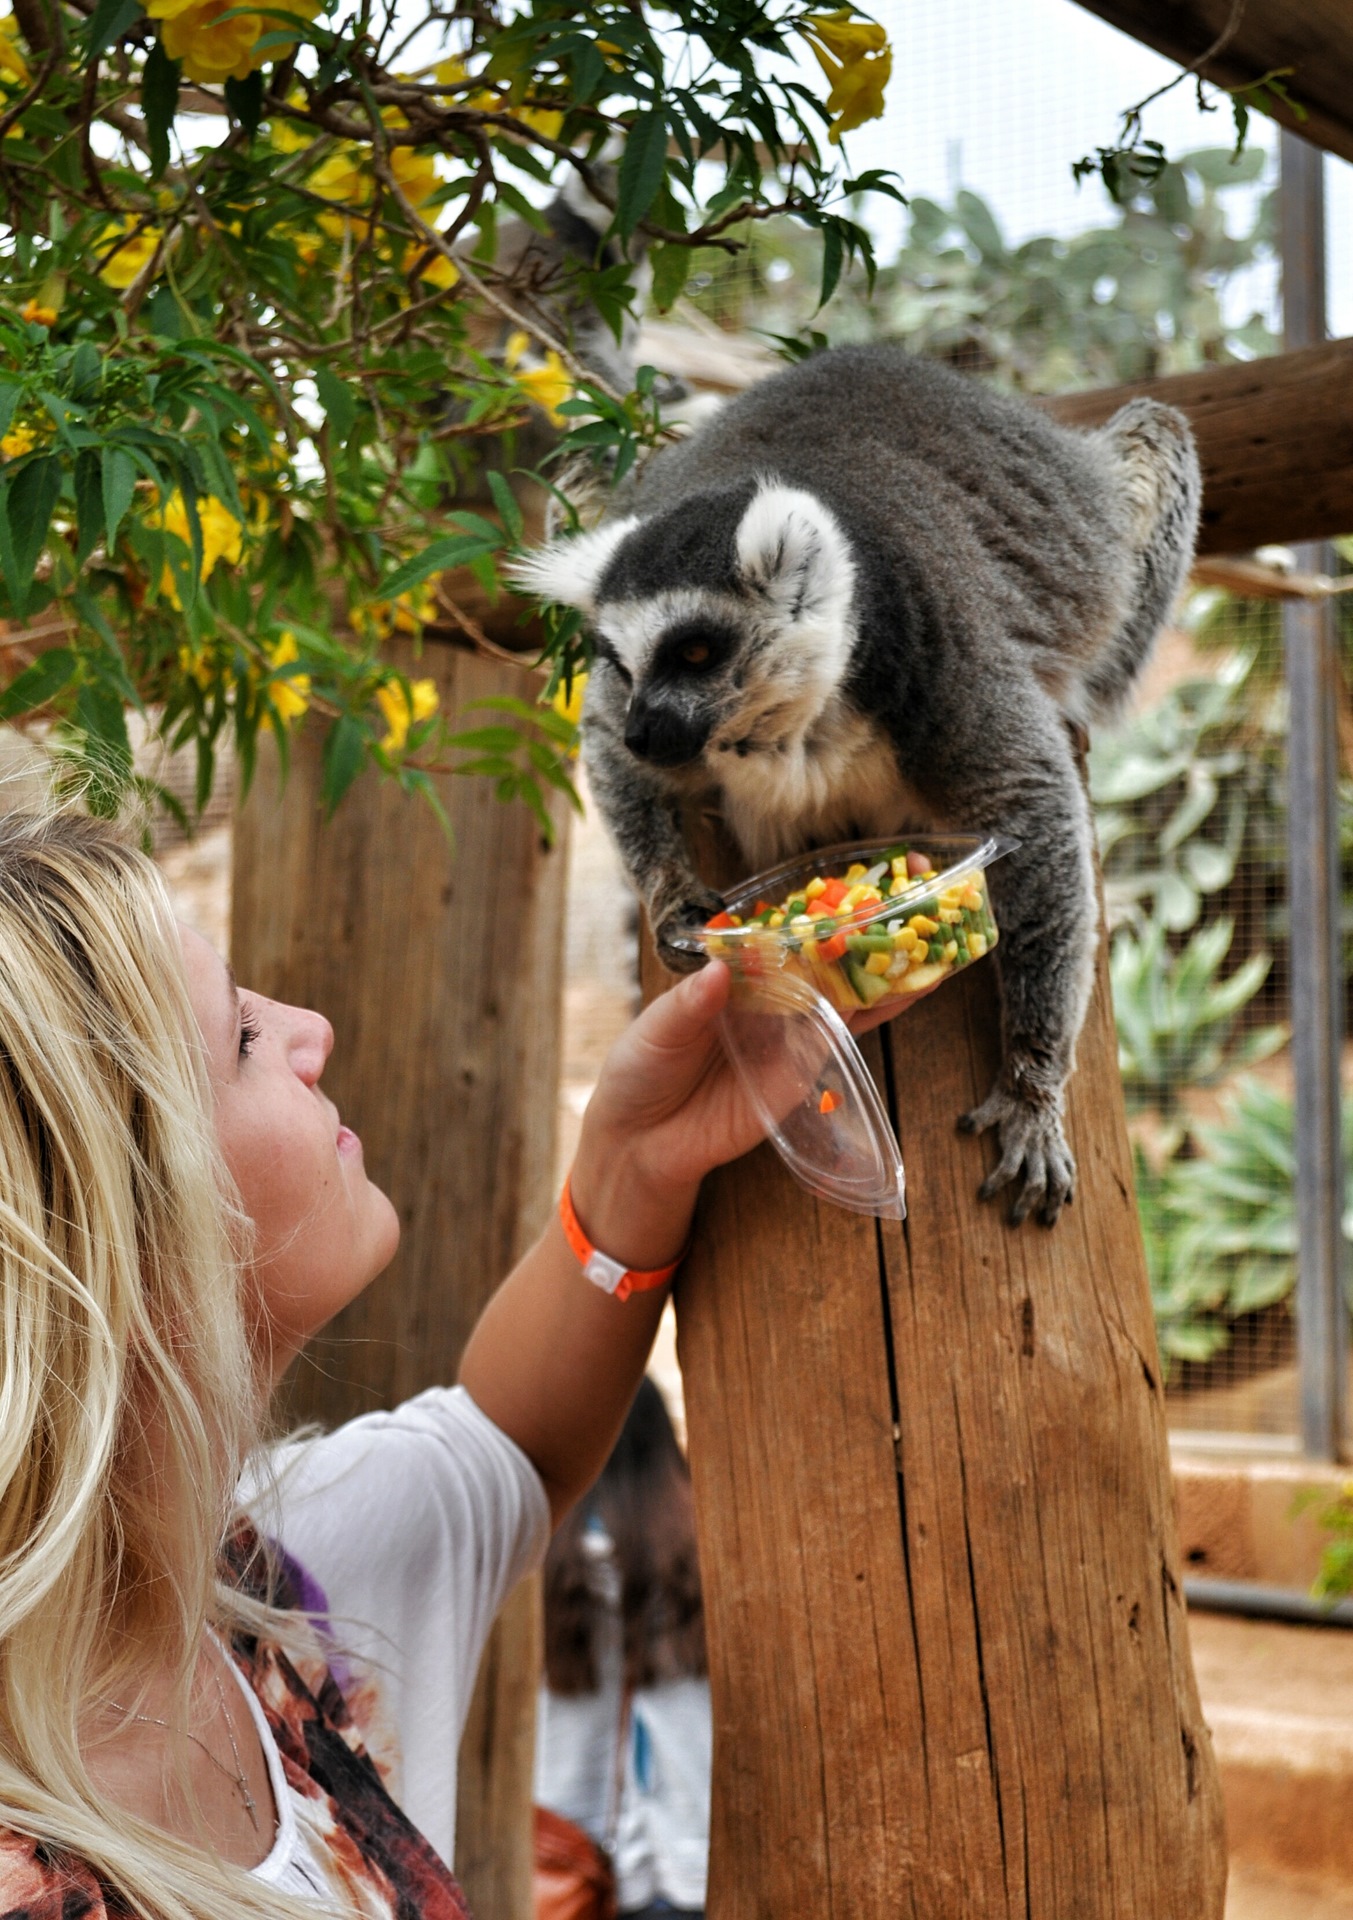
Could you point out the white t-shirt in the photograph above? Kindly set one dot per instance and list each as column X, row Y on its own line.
column 414, row 1526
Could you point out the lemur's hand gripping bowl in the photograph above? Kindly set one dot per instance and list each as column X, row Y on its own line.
column 870, row 925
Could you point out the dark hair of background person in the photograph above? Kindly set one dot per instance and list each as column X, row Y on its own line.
column 643, row 1500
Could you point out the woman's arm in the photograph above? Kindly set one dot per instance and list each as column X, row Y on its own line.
column 554, row 1361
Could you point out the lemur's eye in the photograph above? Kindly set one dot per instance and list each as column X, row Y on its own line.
column 695, row 653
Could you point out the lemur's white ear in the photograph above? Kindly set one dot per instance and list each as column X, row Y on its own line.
column 791, row 549
column 567, row 571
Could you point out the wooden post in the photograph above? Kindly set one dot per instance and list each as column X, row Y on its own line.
column 441, row 970
column 949, row 1653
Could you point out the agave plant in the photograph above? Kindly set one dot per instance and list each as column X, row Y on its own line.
column 1220, row 1224
column 1177, row 1018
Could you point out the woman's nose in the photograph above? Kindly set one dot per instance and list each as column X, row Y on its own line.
column 312, row 1041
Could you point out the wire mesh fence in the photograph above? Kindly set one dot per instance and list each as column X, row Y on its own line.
column 1190, row 798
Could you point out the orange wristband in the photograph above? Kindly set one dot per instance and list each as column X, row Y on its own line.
column 599, row 1268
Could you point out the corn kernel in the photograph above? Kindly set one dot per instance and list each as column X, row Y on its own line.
column 878, row 963
column 972, row 898
column 776, row 920
column 900, row 867
column 951, row 950
column 951, row 916
column 814, row 888
column 856, row 872
column 977, row 945
column 921, row 923
column 851, row 900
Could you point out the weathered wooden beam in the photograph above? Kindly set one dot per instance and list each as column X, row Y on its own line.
column 441, row 968
column 948, row 1651
column 1275, row 436
column 1313, row 38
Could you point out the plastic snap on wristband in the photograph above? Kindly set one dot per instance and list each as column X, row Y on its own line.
column 604, row 1272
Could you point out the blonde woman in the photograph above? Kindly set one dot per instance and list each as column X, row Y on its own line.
column 191, row 1721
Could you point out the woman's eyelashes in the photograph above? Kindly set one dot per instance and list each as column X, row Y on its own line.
column 250, row 1034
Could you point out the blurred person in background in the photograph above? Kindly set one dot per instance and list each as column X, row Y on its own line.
column 623, row 1740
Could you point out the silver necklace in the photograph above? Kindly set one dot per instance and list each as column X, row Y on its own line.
column 238, row 1778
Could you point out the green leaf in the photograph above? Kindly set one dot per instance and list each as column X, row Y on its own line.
column 641, row 170
column 245, row 100
column 119, row 486
column 344, row 752
column 338, row 401
column 671, row 270
column 109, row 21
column 159, row 103
column 457, row 551
column 505, row 501
column 38, row 684
column 88, row 505
column 26, row 507
column 833, row 258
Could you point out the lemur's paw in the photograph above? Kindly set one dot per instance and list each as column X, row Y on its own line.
column 683, row 921
column 1035, row 1157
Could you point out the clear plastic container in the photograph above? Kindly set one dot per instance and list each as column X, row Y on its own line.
column 872, row 925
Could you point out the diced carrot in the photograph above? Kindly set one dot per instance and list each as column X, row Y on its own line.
column 833, row 949
column 834, row 893
column 829, row 1102
column 722, row 920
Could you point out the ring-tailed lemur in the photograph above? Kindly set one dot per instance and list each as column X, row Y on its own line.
column 870, row 595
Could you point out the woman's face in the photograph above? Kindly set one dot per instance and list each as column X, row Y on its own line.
column 323, row 1230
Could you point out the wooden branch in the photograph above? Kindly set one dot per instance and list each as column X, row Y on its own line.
column 1314, row 38
column 1276, row 439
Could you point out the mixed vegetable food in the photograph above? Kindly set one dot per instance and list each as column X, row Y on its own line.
column 886, row 930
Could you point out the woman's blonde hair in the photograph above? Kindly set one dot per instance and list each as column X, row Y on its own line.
column 128, row 1394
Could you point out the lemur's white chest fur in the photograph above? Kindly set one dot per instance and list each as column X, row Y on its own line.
column 839, row 781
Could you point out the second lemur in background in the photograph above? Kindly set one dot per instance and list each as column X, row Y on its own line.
column 871, row 596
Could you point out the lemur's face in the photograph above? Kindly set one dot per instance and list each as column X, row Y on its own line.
column 682, row 660
column 739, row 663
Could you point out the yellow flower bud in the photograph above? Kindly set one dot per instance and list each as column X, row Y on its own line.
column 404, row 710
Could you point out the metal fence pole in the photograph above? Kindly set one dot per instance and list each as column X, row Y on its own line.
column 1311, row 648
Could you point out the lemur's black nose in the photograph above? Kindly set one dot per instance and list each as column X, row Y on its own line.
column 660, row 733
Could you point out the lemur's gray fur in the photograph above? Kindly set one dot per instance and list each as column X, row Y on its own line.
column 869, row 596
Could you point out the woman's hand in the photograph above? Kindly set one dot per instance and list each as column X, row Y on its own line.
column 667, row 1109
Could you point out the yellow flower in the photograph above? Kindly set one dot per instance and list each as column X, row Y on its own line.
column 128, row 259
column 35, row 311
column 222, row 535
column 436, row 271
column 403, row 709
column 214, row 48
column 13, row 66
column 290, row 696
column 547, row 386
column 568, row 704
column 856, row 58
column 210, row 47
column 286, row 137
column 17, row 442
column 416, row 173
column 196, row 663
column 339, row 177
column 452, row 73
